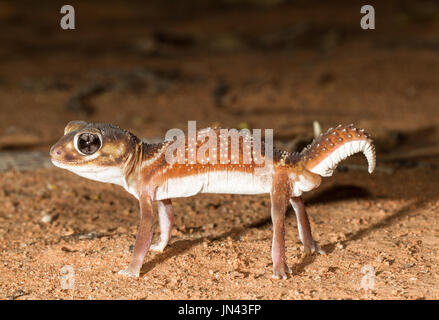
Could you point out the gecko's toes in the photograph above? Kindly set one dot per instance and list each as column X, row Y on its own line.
column 281, row 272
column 314, row 248
column 159, row 247
column 320, row 250
column 129, row 273
column 317, row 249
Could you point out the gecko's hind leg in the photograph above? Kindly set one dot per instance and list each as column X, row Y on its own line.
column 166, row 218
column 279, row 203
column 304, row 227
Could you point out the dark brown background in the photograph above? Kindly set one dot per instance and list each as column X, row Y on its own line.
column 151, row 66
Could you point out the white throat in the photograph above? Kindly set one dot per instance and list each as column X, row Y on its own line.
column 102, row 174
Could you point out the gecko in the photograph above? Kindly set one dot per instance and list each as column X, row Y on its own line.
column 107, row 153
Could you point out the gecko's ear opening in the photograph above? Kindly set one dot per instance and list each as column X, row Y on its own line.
column 74, row 125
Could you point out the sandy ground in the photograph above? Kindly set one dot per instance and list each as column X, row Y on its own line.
column 279, row 67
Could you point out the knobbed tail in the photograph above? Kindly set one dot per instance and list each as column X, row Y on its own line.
column 324, row 154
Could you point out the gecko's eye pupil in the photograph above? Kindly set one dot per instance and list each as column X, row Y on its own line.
column 89, row 143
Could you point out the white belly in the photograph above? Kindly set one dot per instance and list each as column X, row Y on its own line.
column 214, row 182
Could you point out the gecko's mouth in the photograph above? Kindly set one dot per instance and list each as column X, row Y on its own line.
column 55, row 162
column 62, row 164
column 81, row 169
column 70, row 165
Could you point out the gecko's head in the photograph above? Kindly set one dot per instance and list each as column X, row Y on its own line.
column 94, row 150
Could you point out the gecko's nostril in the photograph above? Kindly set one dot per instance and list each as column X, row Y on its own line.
column 55, row 151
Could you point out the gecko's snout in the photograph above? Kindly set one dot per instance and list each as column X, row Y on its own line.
column 58, row 154
column 55, row 151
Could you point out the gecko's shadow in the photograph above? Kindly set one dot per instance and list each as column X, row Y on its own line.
column 180, row 246
column 335, row 193
column 398, row 215
column 172, row 250
column 339, row 193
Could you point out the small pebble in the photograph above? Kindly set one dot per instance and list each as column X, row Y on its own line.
column 46, row 218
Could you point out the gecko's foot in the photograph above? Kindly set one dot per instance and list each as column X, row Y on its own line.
column 129, row 273
column 281, row 271
column 314, row 248
column 159, row 246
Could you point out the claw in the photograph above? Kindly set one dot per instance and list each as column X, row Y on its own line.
column 281, row 273
column 319, row 250
column 276, row 276
column 315, row 248
column 159, row 247
column 129, row 273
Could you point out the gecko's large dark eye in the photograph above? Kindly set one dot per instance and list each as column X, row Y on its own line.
column 88, row 143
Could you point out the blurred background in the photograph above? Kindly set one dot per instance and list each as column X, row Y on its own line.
column 149, row 66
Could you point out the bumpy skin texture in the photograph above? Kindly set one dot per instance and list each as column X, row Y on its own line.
column 107, row 153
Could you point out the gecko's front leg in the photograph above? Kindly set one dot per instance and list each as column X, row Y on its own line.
column 304, row 227
column 166, row 218
column 144, row 237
